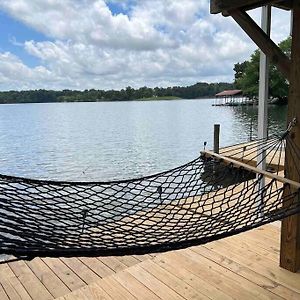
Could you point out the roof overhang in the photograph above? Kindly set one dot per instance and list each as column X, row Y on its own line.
column 224, row 6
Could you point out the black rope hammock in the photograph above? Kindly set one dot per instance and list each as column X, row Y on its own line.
column 201, row 201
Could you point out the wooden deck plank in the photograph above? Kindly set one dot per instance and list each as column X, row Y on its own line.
column 49, row 279
column 258, row 279
column 262, row 237
column 263, row 240
column 153, row 284
column 211, row 275
column 31, row 283
column 66, row 275
column 10, row 291
column 248, row 243
column 12, row 285
column 197, row 283
column 135, row 287
column 173, row 282
column 114, row 289
column 3, row 295
column 81, row 270
column 91, row 292
column 97, row 266
column 259, row 264
column 129, row 261
column 113, row 263
column 272, row 230
column 144, row 256
column 256, row 291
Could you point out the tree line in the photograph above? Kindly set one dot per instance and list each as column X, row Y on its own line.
column 198, row 90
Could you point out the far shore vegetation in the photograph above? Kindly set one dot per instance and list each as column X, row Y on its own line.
column 198, row 90
column 159, row 98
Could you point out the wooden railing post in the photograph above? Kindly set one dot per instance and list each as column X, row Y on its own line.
column 217, row 138
column 290, row 229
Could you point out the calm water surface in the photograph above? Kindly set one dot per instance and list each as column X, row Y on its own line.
column 114, row 140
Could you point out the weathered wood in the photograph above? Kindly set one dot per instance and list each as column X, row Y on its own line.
column 222, row 6
column 31, row 283
column 79, row 268
column 239, row 164
column 217, row 138
column 52, row 283
column 290, row 233
column 64, row 273
column 262, row 40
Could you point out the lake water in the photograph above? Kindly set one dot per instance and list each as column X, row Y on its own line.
column 114, row 140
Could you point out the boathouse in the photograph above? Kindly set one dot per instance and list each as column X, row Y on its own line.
column 230, row 98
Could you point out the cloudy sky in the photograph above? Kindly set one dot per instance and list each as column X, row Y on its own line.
column 111, row 44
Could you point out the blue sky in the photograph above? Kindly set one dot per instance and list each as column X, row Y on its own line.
column 113, row 44
column 14, row 32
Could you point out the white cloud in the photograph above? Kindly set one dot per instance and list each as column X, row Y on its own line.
column 14, row 74
column 158, row 42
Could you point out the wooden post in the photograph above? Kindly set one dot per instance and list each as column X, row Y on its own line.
column 262, row 40
column 217, row 138
column 290, row 229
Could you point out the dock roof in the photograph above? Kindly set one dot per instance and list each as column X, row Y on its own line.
column 229, row 93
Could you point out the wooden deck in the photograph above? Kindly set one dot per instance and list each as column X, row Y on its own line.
column 49, row 278
column 240, row 267
column 275, row 158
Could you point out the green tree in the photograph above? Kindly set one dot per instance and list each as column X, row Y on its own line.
column 239, row 69
column 247, row 75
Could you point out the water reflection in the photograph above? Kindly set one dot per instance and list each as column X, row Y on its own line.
column 247, row 116
column 105, row 141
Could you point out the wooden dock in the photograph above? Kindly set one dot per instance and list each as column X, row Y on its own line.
column 245, row 266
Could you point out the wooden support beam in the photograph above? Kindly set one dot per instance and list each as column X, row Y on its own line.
column 217, row 6
column 222, row 6
column 262, row 40
column 286, row 5
column 290, row 229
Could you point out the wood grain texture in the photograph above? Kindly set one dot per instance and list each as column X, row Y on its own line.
column 290, row 234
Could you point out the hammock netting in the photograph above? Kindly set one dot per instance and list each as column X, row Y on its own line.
column 201, row 201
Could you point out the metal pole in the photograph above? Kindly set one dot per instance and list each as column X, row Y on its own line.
column 217, row 138
column 263, row 99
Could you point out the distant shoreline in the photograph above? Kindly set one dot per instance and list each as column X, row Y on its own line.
column 167, row 98
column 199, row 90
